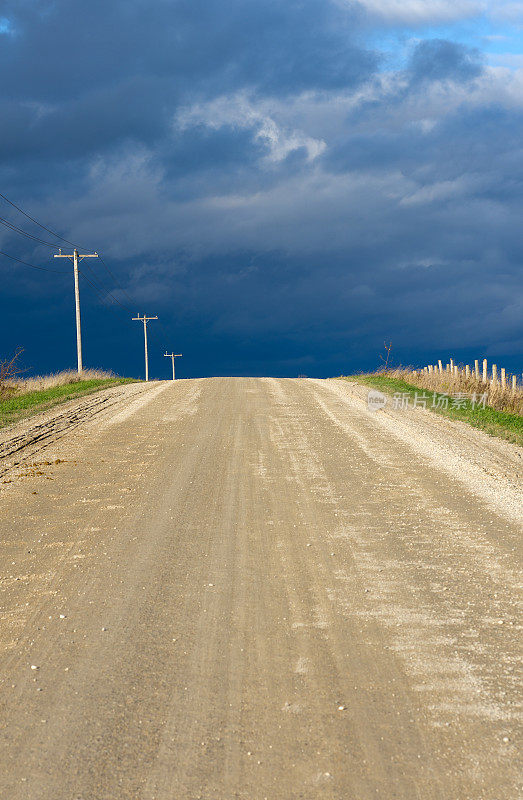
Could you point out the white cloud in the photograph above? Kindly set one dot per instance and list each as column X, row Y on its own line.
column 393, row 109
column 433, row 12
column 240, row 112
column 511, row 60
column 436, row 192
column 305, row 210
column 507, row 11
column 423, row 12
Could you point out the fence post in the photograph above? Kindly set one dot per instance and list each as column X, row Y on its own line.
column 440, row 366
column 476, row 369
column 485, row 371
column 503, row 378
column 494, row 374
column 514, row 383
column 467, row 371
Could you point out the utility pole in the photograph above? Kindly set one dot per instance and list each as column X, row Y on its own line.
column 145, row 320
column 76, row 258
column 172, row 356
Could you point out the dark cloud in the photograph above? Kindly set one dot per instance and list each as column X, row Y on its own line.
column 439, row 59
column 84, row 78
column 253, row 177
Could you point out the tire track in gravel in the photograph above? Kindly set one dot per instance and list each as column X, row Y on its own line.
column 252, row 589
column 57, row 424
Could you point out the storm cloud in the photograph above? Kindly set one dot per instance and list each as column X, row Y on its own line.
column 265, row 177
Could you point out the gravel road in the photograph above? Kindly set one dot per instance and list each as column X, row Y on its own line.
column 257, row 589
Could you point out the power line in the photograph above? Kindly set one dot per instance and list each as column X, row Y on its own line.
column 118, row 286
column 97, row 285
column 102, row 286
column 53, row 233
column 102, row 291
column 103, row 295
column 16, row 229
column 33, row 266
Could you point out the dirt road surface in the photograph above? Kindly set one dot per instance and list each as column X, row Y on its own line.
column 256, row 588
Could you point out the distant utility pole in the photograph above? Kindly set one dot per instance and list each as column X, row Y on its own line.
column 76, row 257
column 173, row 356
column 145, row 320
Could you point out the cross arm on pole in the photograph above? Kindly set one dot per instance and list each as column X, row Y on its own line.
column 172, row 356
column 75, row 257
column 78, row 255
column 145, row 319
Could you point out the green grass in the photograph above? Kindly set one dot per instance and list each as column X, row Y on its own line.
column 497, row 423
column 17, row 407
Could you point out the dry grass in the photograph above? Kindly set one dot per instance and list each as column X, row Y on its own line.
column 498, row 398
column 20, row 386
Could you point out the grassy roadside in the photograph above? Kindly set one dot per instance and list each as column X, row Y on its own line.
column 17, row 407
column 498, row 423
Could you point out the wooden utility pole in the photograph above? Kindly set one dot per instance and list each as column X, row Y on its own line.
column 173, row 356
column 76, row 257
column 145, row 320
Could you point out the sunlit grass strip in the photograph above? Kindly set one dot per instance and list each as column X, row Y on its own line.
column 498, row 423
column 19, row 406
column 499, row 397
column 21, row 385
